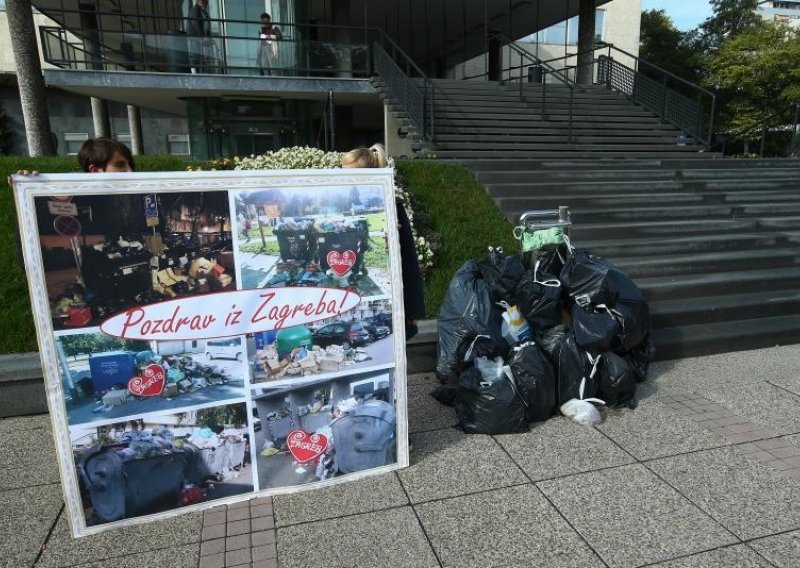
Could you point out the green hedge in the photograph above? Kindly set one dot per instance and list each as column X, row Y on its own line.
column 17, row 333
column 463, row 213
column 459, row 208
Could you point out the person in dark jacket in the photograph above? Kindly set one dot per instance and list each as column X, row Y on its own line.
column 268, row 39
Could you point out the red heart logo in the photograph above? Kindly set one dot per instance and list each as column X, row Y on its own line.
column 341, row 262
column 306, row 447
column 151, row 383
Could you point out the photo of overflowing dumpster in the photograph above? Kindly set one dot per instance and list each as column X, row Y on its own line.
column 103, row 376
column 114, row 252
column 352, row 342
column 325, row 429
column 157, row 463
column 304, row 237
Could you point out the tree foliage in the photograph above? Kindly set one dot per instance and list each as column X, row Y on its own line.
column 757, row 71
column 730, row 18
column 662, row 44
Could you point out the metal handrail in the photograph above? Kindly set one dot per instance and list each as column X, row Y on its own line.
column 548, row 70
column 667, row 94
column 327, row 127
column 407, row 82
column 764, row 126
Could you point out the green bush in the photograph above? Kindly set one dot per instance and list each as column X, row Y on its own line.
column 463, row 214
column 17, row 332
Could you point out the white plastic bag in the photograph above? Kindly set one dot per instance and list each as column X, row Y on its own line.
column 582, row 410
column 490, row 370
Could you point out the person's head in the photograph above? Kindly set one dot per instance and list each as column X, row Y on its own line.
column 104, row 155
column 372, row 157
column 202, row 3
column 266, row 19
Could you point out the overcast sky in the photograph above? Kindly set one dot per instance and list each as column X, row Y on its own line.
column 685, row 14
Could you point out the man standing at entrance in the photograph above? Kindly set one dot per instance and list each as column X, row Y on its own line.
column 268, row 45
column 199, row 28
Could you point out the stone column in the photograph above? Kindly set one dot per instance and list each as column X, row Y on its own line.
column 102, row 123
column 135, row 128
column 32, row 90
column 586, row 31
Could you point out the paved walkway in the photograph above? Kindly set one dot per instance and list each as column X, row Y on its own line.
column 705, row 472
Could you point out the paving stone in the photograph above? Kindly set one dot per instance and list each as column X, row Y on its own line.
column 28, row 513
column 174, row 557
column 238, row 514
column 213, row 531
column 652, row 430
column 373, row 540
column 28, row 458
column 766, row 405
column 235, row 557
column 425, row 413
column 261, row 511
column 560, row 447
column 237, row 527
column 237, row 542
column 447, row 463
column 783, row 550
column 717, row 372
column 740, row 556
column 263, row 538
column 213, row 517
column 214, row 546
column 630, row 517
column 262, row 523
column 63, row 550
column 510, row 527
column 265, row 552
column 213, row 561
column 265, row 563
column 748, row 497
column 426, row 379
column 362, row 496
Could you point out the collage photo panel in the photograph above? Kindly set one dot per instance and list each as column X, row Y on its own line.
column 213, row 344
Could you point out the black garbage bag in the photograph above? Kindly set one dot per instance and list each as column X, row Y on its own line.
column 467, row 308
column 585, row 277
column 551, row 261
column 634, row 320
column 445, row 394
column 538, row 298
column 595, row 330
column 488, row 408
column 617, row 381
column 535, row 379
column 501, row 273
column 572, row 365
column 549, row 340
column 639, row 359
column 474, row 346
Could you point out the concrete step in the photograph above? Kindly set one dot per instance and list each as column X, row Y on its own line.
column 722, row 337
column 714, row 309
column 681, row 265
column 740, row 281
column 620, row 248
column 560, row 136
column 469, row 149
column 658, row 229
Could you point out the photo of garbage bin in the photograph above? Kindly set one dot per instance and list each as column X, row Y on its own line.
column 354, row 237
column 296, row 240
column 120, row 488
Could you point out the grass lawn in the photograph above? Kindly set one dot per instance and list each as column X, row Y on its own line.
column 463, row 213
column 460, row 210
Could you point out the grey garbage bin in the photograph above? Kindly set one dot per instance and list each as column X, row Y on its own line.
column 365, row 437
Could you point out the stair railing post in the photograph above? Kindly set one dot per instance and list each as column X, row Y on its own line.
column 424, row 107
column 663, row 99
column 763, row 137
column 520, row 77
column 793, row 142
column 571, row 100
column 711, row 120
column 544, row 89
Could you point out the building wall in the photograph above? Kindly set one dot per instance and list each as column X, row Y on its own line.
column 783, row 11
column 72, row 114
column 621, row 28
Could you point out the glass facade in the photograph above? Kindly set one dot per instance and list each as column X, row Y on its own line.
column 566, row 33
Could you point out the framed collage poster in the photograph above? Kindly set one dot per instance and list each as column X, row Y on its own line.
column 210, row 336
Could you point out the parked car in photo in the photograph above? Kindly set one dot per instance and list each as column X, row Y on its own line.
column 376, row 331
column 230, row 348
column 347, row 334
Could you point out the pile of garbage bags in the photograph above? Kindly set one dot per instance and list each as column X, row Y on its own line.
column 518, row 344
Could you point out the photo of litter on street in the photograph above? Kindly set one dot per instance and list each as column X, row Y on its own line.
column 354, row 341
column 325, row 429
column 104, row 254
column 307, row 237
column 152, row 464
column 105, row 378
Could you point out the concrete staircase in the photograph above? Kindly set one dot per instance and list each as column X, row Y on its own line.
column 715, row 244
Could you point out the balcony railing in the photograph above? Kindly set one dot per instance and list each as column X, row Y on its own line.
column 295, row 54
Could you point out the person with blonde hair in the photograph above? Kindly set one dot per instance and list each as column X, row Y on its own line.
column 413, row 286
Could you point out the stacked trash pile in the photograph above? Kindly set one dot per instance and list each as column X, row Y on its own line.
column 308, row 360
column 518, row 343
